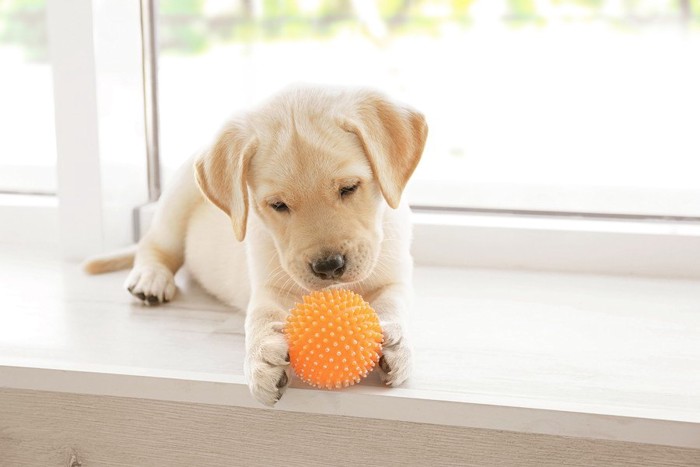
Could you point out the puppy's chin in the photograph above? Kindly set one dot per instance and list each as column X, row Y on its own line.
column 310, row 283
column 331, row 284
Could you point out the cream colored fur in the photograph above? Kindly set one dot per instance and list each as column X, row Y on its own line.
column 300, row 148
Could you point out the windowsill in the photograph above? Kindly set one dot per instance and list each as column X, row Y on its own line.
column 587, row 356
column 28, row 219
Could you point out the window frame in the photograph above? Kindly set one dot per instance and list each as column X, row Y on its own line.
column 92, row 44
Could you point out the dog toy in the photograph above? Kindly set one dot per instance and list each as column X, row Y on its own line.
column 334, row 338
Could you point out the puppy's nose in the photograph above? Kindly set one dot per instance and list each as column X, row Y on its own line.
column 331, row 267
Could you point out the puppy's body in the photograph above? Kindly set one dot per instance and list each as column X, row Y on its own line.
column 294, row 196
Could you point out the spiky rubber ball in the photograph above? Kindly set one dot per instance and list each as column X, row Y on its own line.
column 334, row 338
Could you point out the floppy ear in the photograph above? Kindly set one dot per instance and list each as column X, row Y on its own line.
column 392, row 137
column 221, row 173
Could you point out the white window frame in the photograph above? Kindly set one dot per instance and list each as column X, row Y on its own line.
column 93, row 45
column 95, row 215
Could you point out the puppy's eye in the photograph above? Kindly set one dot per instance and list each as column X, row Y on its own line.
column 348, row 190
column 279, row 206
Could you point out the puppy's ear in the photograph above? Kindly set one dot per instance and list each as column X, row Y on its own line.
column 221, row 173
column 392, row 136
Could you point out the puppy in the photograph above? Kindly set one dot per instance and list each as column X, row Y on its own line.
column 299, row 194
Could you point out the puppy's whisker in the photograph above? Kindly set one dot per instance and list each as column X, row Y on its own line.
column 274, row 275
column 288, row 285
column 278, row 277
column 269, row 263
column 282, row 278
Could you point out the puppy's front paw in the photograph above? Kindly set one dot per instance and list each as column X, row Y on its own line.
column 152, row 284
column 396, row 362
column 267, row 365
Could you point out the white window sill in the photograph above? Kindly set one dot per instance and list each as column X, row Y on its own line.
column 588, row 356
column 29, row 219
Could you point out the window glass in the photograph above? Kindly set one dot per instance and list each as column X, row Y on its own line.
column 27, row 136
column 547, row 105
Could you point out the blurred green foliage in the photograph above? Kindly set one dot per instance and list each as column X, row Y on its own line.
column 192, row 26
column 180, row 7
column 191, row 30
column 23, row 23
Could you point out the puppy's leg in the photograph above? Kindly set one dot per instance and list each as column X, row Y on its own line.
column 267, row 352
column 161, row 251
column 392, row 304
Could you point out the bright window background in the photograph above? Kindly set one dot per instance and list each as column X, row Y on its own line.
column 27, row 135
column 549, row 105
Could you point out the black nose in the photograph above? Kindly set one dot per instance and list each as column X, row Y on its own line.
column 331, row 267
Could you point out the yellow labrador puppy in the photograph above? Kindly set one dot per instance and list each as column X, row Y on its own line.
column 312, row 181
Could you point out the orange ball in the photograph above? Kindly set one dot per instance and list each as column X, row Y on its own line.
column 334, row 338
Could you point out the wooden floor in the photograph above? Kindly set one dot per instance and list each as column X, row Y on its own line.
column 579, row 344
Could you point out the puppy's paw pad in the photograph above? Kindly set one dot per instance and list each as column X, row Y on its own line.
column 395, row 366
column 151, row 284
column 384, row 365
column 283, row 381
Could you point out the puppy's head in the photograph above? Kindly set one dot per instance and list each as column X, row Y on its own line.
column 318, row 167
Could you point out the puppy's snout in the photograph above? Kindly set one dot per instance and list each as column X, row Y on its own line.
column 330, row 267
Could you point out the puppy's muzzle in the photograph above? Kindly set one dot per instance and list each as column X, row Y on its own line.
column 330, row 267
